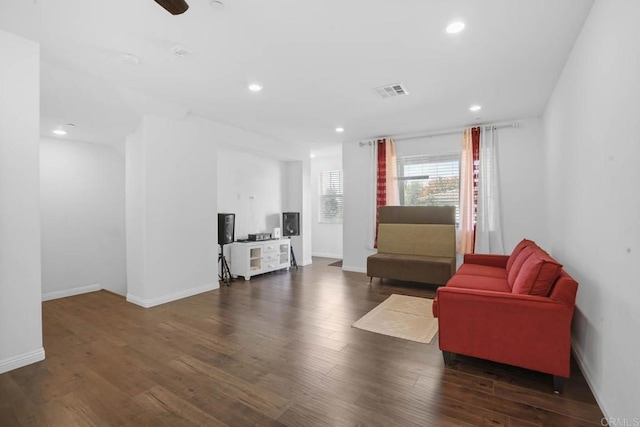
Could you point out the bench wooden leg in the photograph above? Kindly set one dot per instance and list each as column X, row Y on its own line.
column 558, row 384
column 447, row 356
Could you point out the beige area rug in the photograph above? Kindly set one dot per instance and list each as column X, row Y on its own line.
column 401, row 316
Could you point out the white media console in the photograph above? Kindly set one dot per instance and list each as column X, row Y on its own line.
column 252, row 258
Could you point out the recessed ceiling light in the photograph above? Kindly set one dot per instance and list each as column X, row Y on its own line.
column 475, row 108
column 312, row 155
column 59, row 132
column 255, row 87
column 339, row 130
column 455, row 27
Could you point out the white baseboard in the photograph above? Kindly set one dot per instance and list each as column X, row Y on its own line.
column 354, row 269
column 70, row 292
column 21, row 360
column 305, row 262
column 589, row 377
column 326, row 255
column 152, row 302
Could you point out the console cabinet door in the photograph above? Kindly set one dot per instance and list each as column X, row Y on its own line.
column 252, row 258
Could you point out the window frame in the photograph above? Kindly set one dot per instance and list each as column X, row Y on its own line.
column 427, row 159
column 331, row 178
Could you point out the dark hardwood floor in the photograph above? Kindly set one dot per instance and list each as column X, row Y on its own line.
column 278, row 350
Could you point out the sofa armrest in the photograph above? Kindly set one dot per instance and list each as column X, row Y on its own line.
column 564, row 290
column 528, row 331
column 499, row 261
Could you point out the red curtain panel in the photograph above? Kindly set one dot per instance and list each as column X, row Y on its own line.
column 381, row 181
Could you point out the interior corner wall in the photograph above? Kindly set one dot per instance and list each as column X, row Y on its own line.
column 358, row 176
column 592, row 124
column 521, row 182
column 298, row 199
column 135, row 209
column 20, row 280
column 327, row 238
column 521, row 161
column 171, row 190
column 305, row 220
column 83, row 218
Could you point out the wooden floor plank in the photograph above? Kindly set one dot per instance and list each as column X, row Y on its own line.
column 550, row 402
column 278, row 350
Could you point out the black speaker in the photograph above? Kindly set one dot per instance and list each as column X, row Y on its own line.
column 226, row 228
column 290, row 224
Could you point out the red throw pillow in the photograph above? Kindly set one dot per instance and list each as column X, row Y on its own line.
column 537, row 275
column 519, row 247
column 522, row 256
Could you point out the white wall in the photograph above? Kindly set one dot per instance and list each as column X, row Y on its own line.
column 294, row 186
column 593, row 153
column 135, row 215
column 173, row 198
column 258, row 189
column 297, row 198
column 249, row 185
column 521, row 157
column 172, row 247
column 359, row 190
column 327, row 238
column 20, row 285
column 522, row 183
column 83, row 216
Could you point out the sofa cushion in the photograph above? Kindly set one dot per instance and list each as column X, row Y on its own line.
column 413, row 268
column 434, row 240
column 482, row 270
column 537, row 275
column 519, row 247
column 479, row 282
column 520, row 258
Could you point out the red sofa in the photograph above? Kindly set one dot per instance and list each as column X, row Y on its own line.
column 513, row 309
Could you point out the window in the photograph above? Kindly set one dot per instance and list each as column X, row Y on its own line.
column 330, row 206
column 430, row 180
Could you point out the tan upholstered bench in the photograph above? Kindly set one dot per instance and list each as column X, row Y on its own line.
column 415, row 243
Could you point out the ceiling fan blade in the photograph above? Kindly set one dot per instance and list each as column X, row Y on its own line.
column 174, row 7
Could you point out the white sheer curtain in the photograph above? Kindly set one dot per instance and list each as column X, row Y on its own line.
column 489, row 220
column 393, row 196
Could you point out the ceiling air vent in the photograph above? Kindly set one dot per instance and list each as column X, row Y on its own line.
column 391, row 90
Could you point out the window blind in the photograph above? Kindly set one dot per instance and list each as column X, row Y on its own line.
column 430, row 180
column 330, row 203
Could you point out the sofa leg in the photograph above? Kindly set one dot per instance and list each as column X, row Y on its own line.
column 558, row 384
column 447, row 356
column 370, row 280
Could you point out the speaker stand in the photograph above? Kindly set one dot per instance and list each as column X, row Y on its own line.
column 225, row 274
column 294, row 263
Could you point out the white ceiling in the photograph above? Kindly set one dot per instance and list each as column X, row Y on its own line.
column 317, row 60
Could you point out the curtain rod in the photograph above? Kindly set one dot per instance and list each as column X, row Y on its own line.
column 514, row 125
